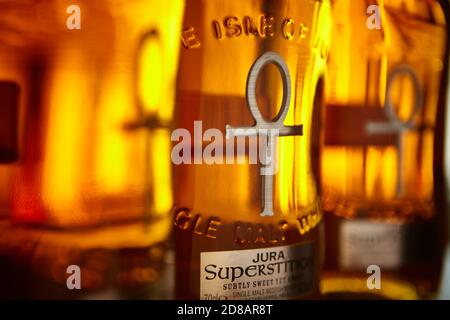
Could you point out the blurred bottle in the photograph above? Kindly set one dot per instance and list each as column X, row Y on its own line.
column 85, row 175
column 222, row 241
column 382, row 160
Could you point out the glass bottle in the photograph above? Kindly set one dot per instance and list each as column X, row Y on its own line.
column 382, row 158
column 88, row 182
column 242, row 232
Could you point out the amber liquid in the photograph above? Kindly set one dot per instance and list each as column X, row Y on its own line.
column 217, row 207
column 371, row 194
column 91, row 182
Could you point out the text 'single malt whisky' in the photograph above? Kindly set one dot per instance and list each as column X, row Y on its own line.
column 228, row 246
column 85, row 174
column 382, row 160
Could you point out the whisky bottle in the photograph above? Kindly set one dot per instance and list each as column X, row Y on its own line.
column 382, row 156
column 243, row 231
column 85, row 174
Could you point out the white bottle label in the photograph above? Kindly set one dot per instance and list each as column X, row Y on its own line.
column 363, row 243
column 269, row 273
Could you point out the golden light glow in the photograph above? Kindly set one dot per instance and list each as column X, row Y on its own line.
column 391, row 288
column 359, row 79
column 299, row 189
column 112, row 150
column 94, row 168
column 161, row 161
column 151, row 75
column 66, row 137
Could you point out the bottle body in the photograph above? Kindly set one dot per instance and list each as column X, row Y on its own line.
column 225, row 249
column 385, row 207
column 87, row 186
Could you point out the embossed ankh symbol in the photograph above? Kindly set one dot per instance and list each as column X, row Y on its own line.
column 395, row 125
column 267, row 129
